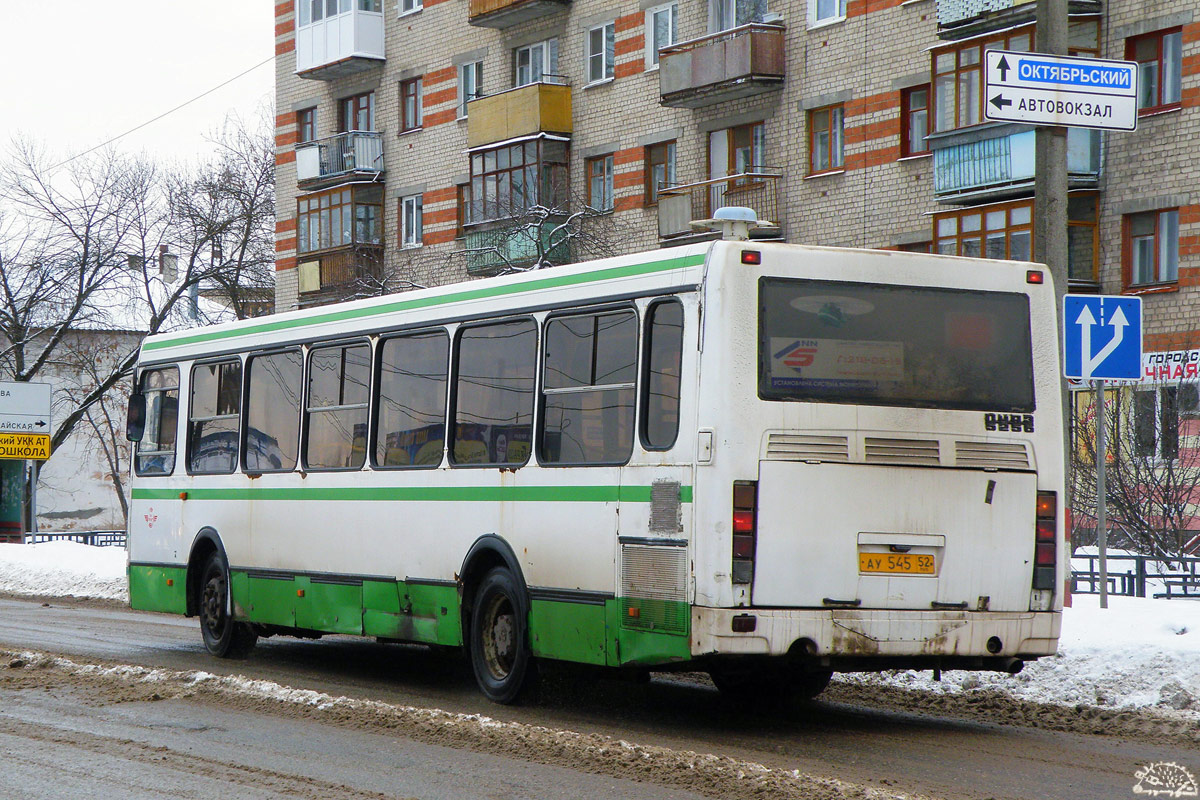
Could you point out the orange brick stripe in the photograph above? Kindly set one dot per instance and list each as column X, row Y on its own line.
column 285, row 139
column 1188, row 246
column 286, row 157
column 634, row 44
column 627, row 203
column 438, row 237
column 871, row 158
column 441, row 196
column 624, row 180
column 285, row 225
column 285, row 8
column 1190, row 98
column 857, row 8
column 858, row 134
column 285, row 47
column 441, row 96
column 885, row 101
column 440, row 217
column 627, row 68
column 1191, row 33
column 285, row 27
column 628, row 22
column 441, row 75
column 285, row 120
column 285, row 263
column 632, row 155
column 439, row 118
column 1191, row 65
column 285, row 245
column 1171, row 341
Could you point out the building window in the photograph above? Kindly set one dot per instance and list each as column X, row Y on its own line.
column 410, row 105
column 1000, row 231
column 411, row 412
column 660, row 169
column 357, row 113
column 1160, row 66
column 494, row 375
column 726, row 14
column 599, row 176
column 470, row 81
column 588, row 383
column 914, row 112
column 661, row 30
column 216, row 405
column 533, row 62
column 306, row 124
column 410, row 220
column 825, row 146
column 349, row 215
column 508, row 180
column 601, row 41
column 1156, row 423
column 339, row 381
column 1152, row 247
column 156, row 449
column 826, row 10
column 374, row 6
column 310, row 11
column 273, row 411
column 411, row 6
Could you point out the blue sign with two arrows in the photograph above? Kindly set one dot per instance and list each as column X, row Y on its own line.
column 1102, row 337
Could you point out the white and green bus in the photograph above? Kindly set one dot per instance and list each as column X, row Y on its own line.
column 767, row 461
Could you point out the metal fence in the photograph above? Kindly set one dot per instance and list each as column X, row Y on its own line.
column 1137, row 576
column 95, row 538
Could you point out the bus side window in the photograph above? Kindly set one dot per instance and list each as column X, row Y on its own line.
column 410, row 427
column 661, row 381
column 216, row 406
column 493, row 391
column 156, row 450
column 339, row 384
column 273, row 411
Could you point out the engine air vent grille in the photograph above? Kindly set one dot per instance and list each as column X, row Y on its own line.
column 991, row 455
column 654, row 584
column 923, row 452
column 806, row 447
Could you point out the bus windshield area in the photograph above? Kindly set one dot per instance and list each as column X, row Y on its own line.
column 909, row 346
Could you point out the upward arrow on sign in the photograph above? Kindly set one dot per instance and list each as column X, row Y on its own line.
column 1086, row 322
column 1004, row 68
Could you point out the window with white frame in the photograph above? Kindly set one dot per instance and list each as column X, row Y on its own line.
column 533, row 62
column 1152, row 247
column 470, row 79
column 411, row 6
column 726, row 14
column 601, row 42
column 661, row 30
column 825, row 11
column 410, row 220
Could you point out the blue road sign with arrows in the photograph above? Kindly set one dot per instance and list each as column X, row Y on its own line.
column 1102, row 337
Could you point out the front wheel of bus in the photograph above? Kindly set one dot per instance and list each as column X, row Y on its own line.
column 499, row 648
column 223, row 637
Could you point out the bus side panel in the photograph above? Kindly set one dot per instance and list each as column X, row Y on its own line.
column 569, row 631
column 158, row 588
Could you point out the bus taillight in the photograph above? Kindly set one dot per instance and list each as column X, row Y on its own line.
column 1045, row 558
column 745, row 503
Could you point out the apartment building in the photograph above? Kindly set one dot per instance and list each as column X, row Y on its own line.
column 410, row 132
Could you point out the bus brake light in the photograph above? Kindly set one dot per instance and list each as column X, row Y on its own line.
column 745, row 507
column 1045, row 534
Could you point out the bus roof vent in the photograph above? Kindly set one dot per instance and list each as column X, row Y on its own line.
column 924, row 452
column 991, row 455
column 807, row 447
column 734, row 222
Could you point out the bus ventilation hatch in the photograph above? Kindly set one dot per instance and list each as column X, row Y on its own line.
column 654, row 588
column 807, row 447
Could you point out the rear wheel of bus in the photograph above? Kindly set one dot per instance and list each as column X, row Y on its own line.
column 499, row 642
column 223, row 637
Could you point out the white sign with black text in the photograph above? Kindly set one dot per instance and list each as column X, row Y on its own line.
column 1060, row 90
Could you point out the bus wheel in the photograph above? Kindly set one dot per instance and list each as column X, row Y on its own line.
column 499, row 648
column 223, row 637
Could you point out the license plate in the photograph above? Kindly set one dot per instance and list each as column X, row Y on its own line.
column 896, row 563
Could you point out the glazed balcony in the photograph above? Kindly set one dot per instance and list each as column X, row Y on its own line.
column 679, row 205
column 972, row 166
column 351, row 155
column 961, row 18
column 543, row 107
column 740, row 62
column 505, row 247
column 340, row 44
column 340, row 274
column 500, row 14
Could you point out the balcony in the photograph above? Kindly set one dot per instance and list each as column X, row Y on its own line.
column 740, row 62
column 501, row 14
column 1002, row 165
column 961, row 18
column 543, row 107
column 680, row 204
column 339, row 45
column 505, row 247
column 342, row 274
column 356, row 154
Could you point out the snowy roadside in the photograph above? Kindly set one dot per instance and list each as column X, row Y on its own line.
column 1139, row 654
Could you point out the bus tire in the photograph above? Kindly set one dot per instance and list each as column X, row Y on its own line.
column 499, row 641
column 223, row 636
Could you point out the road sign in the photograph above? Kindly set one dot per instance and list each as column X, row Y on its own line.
column 1060, row 90
column 1102, row 337
column 33, row 446
column 24, row 407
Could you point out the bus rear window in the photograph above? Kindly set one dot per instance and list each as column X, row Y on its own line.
column 841, row 342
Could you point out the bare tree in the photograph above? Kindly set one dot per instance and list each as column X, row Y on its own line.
column 1152, row 467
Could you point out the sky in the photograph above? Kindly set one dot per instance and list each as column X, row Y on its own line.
column 78, row 72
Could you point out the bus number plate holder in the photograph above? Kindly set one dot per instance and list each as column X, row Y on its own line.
column 896, row 564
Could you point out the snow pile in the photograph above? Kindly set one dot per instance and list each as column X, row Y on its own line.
column 63, row 569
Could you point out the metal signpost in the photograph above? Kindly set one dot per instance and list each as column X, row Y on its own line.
column 1102, row 340
column 1060, row 90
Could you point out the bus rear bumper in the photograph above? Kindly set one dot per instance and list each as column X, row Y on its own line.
column 864, row 635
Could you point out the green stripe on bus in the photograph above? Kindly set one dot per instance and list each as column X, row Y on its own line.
column 551, row 282
column 467, row 494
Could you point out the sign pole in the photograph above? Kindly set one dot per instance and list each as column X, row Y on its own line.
column 1101, row 494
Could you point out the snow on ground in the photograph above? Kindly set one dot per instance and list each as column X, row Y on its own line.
column 1138, row 653
column 63, row 569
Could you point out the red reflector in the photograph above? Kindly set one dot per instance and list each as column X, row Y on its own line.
column 743, row 546
column 1045, row 530
column 634, row 612
column 744, row 623
column 1045, row 555
column 1047, row 504
column 1035, row 276
column 751, row 257
column 743, row 522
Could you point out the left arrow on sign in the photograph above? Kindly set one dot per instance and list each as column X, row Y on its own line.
column 1001, row 102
